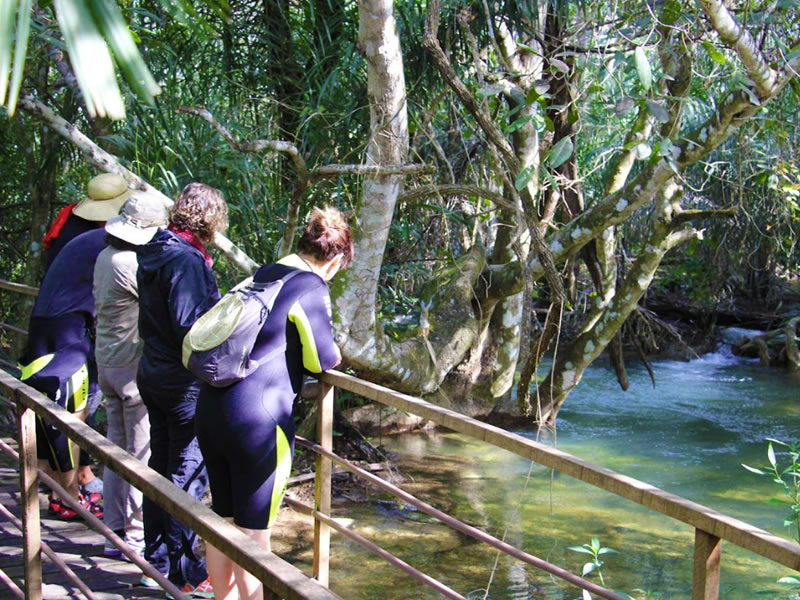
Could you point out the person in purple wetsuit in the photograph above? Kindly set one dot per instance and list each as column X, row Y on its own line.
column 59, row 360
column 246, row 430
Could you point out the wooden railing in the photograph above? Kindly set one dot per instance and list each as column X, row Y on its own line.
column 711, row 527
column 277, row 575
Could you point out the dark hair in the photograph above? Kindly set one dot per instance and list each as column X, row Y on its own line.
column 326, row 235
column 200, row 209
column 115, row 242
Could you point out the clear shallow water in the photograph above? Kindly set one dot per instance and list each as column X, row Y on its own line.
column 688, row 435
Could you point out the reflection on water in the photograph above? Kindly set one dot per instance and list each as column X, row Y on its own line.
column 688, row 435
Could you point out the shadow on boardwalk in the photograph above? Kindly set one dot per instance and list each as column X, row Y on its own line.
column 75, row 542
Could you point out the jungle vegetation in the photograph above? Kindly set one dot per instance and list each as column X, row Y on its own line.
column 520, row 174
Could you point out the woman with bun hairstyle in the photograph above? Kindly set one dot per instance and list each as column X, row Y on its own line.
column 246, row 430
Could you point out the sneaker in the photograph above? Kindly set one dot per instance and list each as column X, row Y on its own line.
column 201, row 590
column 67, row 514
column 92, row 490
column 54, row 505
column 148, row 582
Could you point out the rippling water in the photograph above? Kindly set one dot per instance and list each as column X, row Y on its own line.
column 688, row 435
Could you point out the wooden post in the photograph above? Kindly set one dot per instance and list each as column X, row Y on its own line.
column 29, row 502
column 322, row 493
column 707, row 554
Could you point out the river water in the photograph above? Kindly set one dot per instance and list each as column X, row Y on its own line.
column 689, row 435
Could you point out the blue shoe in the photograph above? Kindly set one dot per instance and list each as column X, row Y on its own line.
column 148, row 582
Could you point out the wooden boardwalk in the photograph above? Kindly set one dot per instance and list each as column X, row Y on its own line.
column 75, row 542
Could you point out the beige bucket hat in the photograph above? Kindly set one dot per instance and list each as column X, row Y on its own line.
column 107, row 193
column 139, row 219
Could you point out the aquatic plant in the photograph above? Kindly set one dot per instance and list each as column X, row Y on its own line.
column 788, row 478
column 594, row 565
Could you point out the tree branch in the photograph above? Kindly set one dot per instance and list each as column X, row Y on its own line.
column 456, row 189
column 99, row 158
column 763, row 77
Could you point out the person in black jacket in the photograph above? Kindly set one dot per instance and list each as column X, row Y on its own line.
column 176, row 286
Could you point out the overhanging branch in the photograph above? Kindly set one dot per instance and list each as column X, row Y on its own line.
column 102, row 160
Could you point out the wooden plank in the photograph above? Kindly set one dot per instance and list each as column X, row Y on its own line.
column 777, row 549
column 29, row 500
column 322, row 485
column 707, row 554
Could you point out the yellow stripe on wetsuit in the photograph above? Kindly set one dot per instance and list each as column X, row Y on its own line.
column 77, row 388
column 310, row 353
column 283, row 468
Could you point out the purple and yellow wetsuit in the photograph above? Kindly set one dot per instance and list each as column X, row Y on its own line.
column 246, row 431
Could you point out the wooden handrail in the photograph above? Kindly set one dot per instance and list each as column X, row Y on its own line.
column 19, row 287
column 749, row 537
column 278, row 575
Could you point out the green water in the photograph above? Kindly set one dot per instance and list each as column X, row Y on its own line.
column 687, row 436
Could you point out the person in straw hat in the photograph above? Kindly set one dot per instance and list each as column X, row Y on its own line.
column 105, row 195
column 118, row 348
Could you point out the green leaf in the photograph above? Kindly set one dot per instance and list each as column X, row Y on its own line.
column 559, row 153
column 524, row 178
column 643, row 68
column 490, row 90
column 793, row 580
column 528, row 49
column 671, row 12
column 20, row 50
column 582, row 549
column 113, row 27
column 754, row 470
column 771, row 454
column 6, row 35
column 659, row 112
column 607, row 551
column 595, row 543
column 778, row 502
column 559, row 65
column 550, row 179
column 717, row 56
column 588, row 568
column 519, row 123
column 90, row 59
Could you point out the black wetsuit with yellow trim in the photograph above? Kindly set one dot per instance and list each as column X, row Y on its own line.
column 246, row 431
column 59, row 358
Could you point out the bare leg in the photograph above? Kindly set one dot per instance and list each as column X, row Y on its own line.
column 220, row 569
column 85, row 474
column 250, row 587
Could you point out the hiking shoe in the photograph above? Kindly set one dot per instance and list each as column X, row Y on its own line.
column 92, row 490
column 67, row 514
column 201, row 590
column 54, row 505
